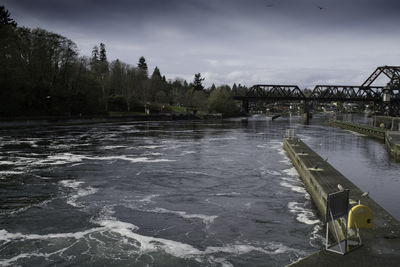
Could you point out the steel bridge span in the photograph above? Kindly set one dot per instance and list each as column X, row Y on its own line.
column 386, row 99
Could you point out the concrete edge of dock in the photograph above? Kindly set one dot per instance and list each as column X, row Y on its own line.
column 381, row 244
column 392, row 142
column 374, row 132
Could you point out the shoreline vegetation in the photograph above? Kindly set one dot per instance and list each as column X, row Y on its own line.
column 42, row 74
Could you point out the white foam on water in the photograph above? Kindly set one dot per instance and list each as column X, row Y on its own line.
column 291, row 172
column 316, row 239
column 152, row 146
column 187, row 152
column 7, row 162
column 113, row 147
column 60, row 146
column 207, row 219
column 238, row 249
column 272, row 172
column 32, row 142
column 67, row 158
column 133, row 160
column 304, row 215
column 282, row 152
column 286, row 161
column 146, row 244
column 7, row 236
column 148, row 199
column 10, row 262
column 186, row 251
column 71, row 184
column 79, row 191
column 59, row 159
column 294, row 188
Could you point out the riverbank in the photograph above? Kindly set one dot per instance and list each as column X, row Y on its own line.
column 381, row 244
column 78, row 120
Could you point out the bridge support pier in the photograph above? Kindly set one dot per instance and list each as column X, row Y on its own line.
column 245, row 106
column 306, row 114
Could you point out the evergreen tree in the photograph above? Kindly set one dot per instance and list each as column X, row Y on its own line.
column 5, row 17
column 95, row 53
column 156, row 74
column 212, row 88
column 103, row 73
column 142, row 65
column 198, row 86
column 103, row 56
column 94, row 61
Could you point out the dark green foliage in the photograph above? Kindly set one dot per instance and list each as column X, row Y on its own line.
column 103, row 56
column 142, row 65
column 41, row 74
column 5, row 17
column 197, row 83
column 117, row 103
column 221, row 101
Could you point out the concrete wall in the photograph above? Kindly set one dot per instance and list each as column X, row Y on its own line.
column 392, row 141
column 377, row 133
column 303, row 162
column 381, row 243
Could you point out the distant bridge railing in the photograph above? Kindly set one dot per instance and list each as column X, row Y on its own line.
column 319, row 93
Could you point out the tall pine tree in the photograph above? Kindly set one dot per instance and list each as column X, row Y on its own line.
column 5, row 17
column 142, row 65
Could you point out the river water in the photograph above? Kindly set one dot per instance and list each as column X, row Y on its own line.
column 171, row 193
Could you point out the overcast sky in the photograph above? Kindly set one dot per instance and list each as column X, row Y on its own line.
column 303, row 42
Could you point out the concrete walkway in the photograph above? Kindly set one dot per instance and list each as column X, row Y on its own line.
column 381, row 243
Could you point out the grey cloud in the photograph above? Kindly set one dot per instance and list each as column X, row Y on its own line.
column 231, row 41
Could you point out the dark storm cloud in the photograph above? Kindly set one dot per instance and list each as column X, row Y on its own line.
column 248, row 41
column 335, row 12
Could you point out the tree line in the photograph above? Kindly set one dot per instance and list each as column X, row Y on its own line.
column 42, row 74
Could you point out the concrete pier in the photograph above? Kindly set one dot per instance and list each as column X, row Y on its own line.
column 392, row 141
column 375, row 132
column 381, row 243
column 389, row 123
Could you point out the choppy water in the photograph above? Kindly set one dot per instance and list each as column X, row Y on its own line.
column 159, row 194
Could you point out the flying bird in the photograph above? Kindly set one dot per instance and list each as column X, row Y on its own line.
column 321, row 8
column 269, row 5
column 340, row 187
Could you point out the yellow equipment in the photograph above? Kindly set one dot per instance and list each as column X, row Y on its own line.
column 360, row 216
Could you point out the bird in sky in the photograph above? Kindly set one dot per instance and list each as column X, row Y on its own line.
column 321, row 7
column 269, row 5
column 340, row 187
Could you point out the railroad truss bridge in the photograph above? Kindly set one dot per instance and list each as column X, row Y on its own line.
column 386, row 100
